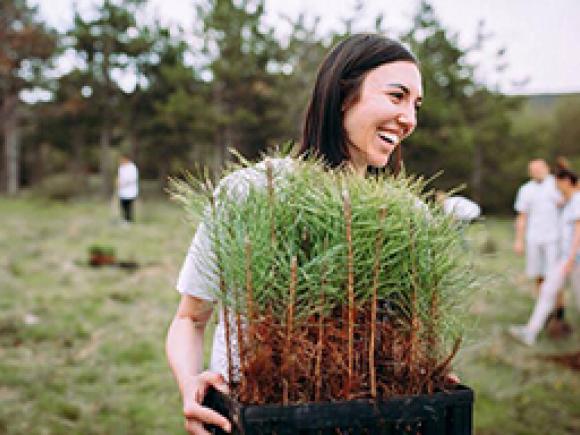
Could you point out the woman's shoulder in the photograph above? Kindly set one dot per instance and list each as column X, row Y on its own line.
column 238, row 182
column 575, row 200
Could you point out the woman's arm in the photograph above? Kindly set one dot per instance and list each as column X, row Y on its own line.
column 184, row 348
column 520, row 225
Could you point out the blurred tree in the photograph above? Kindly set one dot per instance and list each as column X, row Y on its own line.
column 566, row 131
column 175, row 109
column 66, row 124
column 242, row 55
column 26, row 45
column 295, row 74
column 464, row 127
column 170, row 101
column 111, row 46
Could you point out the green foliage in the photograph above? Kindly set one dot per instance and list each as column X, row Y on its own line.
column 99, row 249
column 27, row 45
column 304, row 217
column 242, row 86
column 242, row 54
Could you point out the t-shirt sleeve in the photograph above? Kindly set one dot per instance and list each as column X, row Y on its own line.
column 522, row 203
column 576, row 207
column 198, row 276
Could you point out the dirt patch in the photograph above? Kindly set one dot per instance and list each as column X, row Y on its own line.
column 570, row 360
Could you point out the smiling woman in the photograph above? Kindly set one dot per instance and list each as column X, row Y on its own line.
column 363, row 105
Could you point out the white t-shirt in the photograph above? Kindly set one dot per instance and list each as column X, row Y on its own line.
column 128, row 178
column 461, row 208
column 196, row 278
column 569, row 215
column 539, row 200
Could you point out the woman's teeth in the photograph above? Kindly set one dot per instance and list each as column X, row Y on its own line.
column 391, row 138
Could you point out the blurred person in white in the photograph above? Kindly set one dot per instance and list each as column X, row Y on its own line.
column 537, row 204
column 127, row 187
column 568, row 264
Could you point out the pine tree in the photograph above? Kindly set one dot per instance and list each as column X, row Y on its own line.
column 25, row 47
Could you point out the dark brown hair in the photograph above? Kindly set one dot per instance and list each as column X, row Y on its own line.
column 338, row 83
column 567, row 174
column 561, row 163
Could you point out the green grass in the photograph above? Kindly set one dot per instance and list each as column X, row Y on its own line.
column 94, row 363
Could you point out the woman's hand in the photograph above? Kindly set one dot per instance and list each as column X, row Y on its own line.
column 452, row 378
column 519, row 247
column 196, row 415
column 568, row 266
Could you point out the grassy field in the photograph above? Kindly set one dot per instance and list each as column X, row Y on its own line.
column 82, row 349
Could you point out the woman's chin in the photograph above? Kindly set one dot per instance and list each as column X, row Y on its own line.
column 380, row 161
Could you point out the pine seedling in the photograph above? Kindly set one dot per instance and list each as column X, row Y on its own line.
column 342, row 286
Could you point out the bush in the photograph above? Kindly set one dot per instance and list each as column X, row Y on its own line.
column 60, row 187
column 341, row 286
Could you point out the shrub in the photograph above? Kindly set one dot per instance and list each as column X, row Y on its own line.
column 60, row 187
column 337, row 285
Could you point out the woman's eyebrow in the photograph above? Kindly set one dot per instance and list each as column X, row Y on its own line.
column 402, row 87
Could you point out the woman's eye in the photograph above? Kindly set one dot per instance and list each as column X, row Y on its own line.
column 397, row 96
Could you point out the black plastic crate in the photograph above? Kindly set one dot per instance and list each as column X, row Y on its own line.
column 442, row 413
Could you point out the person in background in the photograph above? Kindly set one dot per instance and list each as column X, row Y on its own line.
column 567, row 265
column 127, row 187
column 536, row 226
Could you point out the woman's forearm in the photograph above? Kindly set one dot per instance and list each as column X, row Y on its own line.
column 575, row 248
column 520, row 225
column 184, row 348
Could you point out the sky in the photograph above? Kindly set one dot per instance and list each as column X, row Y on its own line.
column 541, row 37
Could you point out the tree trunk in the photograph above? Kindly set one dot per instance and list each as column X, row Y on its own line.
column 477, row 175
column 106, row 173
column 133, row 145
column 105, row 166
column 78, row 162
column 40, row 163
column 8, row 107
column 12, row 149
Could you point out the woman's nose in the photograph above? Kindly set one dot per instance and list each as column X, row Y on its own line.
column 408, row 119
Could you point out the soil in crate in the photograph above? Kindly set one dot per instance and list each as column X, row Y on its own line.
column 441, row 413
column 570, row 360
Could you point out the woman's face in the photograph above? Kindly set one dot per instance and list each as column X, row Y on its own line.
column 384, row 114
column 564, row 186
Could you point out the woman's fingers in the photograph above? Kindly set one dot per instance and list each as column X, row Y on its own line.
column 195, row 413
column 214, row 379
column 453, row 378
column 198, row 413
